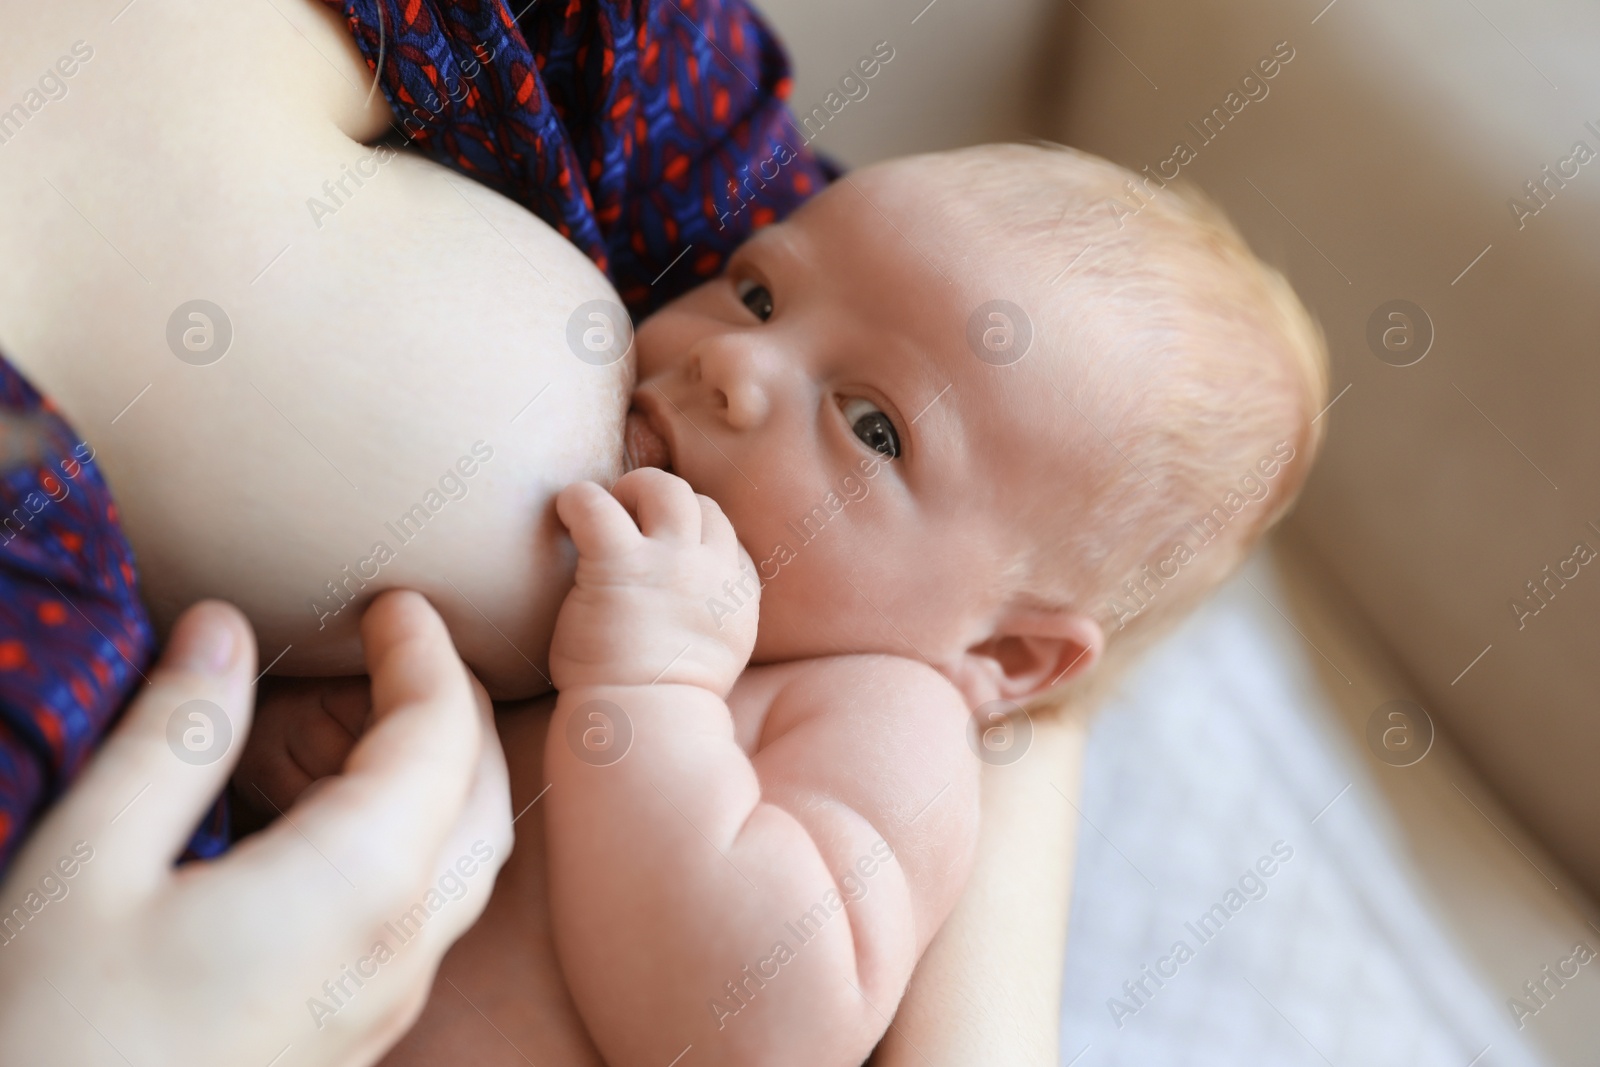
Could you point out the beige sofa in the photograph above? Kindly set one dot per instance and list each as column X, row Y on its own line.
column 1388, row 160
column 1383, row 166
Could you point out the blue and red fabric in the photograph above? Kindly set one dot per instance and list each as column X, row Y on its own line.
column 74, row 638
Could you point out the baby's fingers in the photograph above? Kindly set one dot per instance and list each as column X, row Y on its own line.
column 716, row 531
column 663, row 503
column 347, row 701
column 600, row 526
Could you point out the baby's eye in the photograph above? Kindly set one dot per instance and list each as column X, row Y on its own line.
column 755, row 296
column 871, row 425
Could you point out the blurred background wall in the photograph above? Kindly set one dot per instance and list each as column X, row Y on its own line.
column 963, row 73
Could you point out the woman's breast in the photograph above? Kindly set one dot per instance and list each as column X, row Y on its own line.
column 310, row 369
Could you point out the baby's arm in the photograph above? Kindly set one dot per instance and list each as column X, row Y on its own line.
column 699, row 895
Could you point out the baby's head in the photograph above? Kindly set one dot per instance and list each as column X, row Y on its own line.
column 959, row 409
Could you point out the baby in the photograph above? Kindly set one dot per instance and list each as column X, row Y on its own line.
column 966, row 454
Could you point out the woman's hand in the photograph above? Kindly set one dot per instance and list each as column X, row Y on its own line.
column 316, row 940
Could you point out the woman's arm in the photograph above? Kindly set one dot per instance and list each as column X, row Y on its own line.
column 988, row 990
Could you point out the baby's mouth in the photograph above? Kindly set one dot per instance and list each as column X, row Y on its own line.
column 642, row 446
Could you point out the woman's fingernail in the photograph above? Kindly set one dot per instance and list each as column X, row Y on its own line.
column 202, row 646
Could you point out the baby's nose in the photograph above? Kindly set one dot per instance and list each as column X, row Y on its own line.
column 733, row 373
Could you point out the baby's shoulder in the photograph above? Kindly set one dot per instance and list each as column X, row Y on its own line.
column 878, row 677
column 868, row 688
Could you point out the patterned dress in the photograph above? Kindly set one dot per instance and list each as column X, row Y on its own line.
column 653, row 135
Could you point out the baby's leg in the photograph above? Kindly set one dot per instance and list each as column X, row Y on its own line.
column 398, row 402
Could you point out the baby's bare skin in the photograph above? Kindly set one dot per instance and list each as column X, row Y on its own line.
column 370, row 353
column 775, row 845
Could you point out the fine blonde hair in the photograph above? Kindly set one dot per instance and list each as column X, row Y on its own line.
column 1188, row 361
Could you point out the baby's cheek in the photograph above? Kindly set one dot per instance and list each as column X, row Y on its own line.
column 808, row 608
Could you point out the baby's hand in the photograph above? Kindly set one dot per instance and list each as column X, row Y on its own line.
column 304, row 729
column 658, row 567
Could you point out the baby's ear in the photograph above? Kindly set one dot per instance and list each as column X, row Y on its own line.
column 1030, row 651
